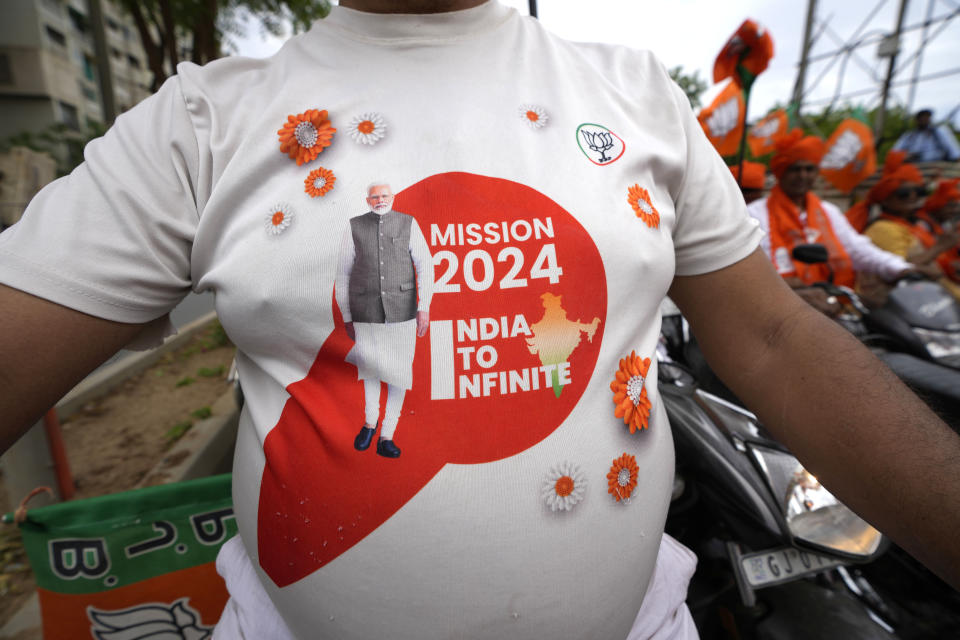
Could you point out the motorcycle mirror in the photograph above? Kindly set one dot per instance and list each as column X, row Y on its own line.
column 810, row 253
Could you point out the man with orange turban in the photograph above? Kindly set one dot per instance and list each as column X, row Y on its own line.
column 898, row 228
column 792, row 215
column 753, row 182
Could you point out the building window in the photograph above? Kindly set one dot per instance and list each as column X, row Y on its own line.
column 6, row 70
column 56, row 37
column 113, row 24
column 133, row 62
column 89, row 68
column 79, row 20
column 89, row 93
column 69, row 116
column 116, row 53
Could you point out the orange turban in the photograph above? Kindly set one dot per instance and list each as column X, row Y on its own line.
column 895, row 173
column 754, row 175
column 794, row 147
column 945, row 193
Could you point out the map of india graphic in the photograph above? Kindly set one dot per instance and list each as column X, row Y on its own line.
column 555, row 336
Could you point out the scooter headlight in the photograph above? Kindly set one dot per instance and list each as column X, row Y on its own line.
column 812, row 513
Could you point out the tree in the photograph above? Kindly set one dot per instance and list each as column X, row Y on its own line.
column 200, row 28
column 64, row 144
column 692, row 84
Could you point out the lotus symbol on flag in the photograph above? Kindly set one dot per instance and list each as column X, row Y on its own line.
column 600, row 142
column 724, row 118
column 843, row 152
column 156, row 621
column 765, row 129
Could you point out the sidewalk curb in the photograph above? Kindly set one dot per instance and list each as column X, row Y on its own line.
column 109, row 378
column 205, row 450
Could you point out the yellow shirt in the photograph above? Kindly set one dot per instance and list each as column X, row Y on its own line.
column 893, row 237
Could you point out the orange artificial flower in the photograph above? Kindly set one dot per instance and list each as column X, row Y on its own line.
column 319, row 182
column 305, row 135
column 639, row 199
column 630, row 392
column 622, row 479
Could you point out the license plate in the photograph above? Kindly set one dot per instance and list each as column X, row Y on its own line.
column 774, row 566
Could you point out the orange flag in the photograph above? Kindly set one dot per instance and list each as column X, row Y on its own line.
column 723, row 120
column 764, row 134
column 745, row 55
column 850, row 157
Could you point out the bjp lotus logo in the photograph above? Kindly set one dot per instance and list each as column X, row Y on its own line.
column 177, row 621
column 599, row 144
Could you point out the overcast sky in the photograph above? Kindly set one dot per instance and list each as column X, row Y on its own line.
column 691, row 32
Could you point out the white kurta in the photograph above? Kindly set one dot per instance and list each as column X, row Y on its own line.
column 384, row 351
column 865, row 255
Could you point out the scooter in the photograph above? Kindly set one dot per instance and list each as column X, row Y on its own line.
column 779, row 556
column 916, row 332
column 778, row 553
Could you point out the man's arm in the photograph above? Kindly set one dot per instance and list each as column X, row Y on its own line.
column 46, row 349
column 850, row 421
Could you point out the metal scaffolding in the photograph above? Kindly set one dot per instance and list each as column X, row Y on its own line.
column 903, row 66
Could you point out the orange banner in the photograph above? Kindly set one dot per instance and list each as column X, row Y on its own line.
column 723, row 120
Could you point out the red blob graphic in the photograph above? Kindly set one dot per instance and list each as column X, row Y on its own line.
column 517, row 320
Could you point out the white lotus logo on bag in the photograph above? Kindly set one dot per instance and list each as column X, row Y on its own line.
column 843, row 152
column 724, row 118
column 156, row 621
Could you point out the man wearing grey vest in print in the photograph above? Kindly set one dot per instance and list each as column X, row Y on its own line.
column 383, row 288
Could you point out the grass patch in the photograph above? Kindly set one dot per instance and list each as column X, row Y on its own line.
column 202, row 413
column 183, row 382
column 207, row 372
column 176, row 431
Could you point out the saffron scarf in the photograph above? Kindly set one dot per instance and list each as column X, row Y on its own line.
column 787, row 231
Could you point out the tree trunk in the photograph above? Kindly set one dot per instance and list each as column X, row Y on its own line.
column 153, row 50
column 170, row 32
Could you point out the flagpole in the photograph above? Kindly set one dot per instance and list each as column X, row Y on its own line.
column 743, row 136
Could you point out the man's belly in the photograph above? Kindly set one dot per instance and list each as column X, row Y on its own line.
column 480, row 550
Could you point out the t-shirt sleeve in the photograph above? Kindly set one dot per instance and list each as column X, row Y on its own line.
column 113, row 239
column 713, row 229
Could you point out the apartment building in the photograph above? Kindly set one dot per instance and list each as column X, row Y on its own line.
column 48, row 65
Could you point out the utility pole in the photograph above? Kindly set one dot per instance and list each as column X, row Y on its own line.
column 890, row 46
column 95, row 11
column 799, row 85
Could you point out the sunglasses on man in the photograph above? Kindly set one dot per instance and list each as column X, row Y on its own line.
column 910, row 192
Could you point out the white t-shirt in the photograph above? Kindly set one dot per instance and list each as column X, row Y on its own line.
column 865, row 256
column 553, row 246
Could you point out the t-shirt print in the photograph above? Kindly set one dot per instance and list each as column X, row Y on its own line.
column 517, row 319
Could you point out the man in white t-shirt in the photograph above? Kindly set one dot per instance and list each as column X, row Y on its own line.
column 460, row 537
column 384, row 295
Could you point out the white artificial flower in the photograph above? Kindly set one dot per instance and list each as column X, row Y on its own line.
column 278, row 219
column 534, row 116
column 564, row 487
column 367, row 128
